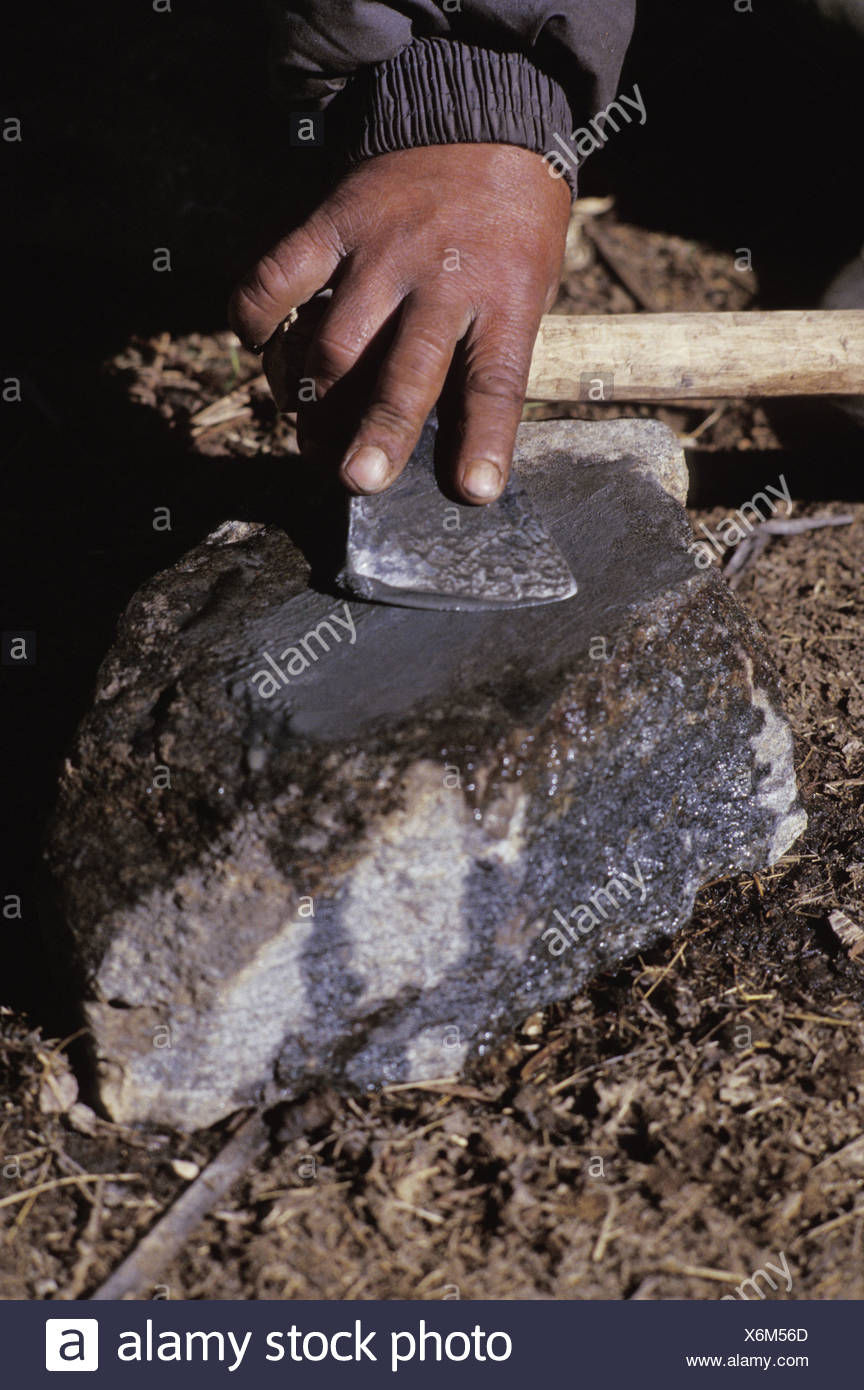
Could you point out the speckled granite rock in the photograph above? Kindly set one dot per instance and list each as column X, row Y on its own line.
column 305, row 841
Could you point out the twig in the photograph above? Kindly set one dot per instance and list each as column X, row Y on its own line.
column 434, row 1083
column 432, row 1216
column 67, row 1182
column 710, row 419
column 615, row 261
column 45, row 1168
column 855, row 1146
column 606, row 1232
column 595, row 1066
column 277, row 1216
column 74, row 1170
column 163, row 1241
column 793, row 526
column 744, row 557
column 721, row 1276
column 87, row 1248
column 665, row 971
column 62, row 1045
column 823, row 1018
column 749, row 549
column 832, row 1225
column 440, row 1087
column 232, row 406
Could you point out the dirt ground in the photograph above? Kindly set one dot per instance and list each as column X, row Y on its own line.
column 663, row 1136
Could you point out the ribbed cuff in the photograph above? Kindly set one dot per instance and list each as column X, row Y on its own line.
column 442, row 92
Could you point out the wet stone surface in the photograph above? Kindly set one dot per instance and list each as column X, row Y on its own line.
column 305, row 841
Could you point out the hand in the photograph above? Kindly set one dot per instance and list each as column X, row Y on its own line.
column 439, row 255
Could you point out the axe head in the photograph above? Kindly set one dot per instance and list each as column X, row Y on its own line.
column 413, row 547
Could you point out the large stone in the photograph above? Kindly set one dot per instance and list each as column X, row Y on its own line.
column 369, row 868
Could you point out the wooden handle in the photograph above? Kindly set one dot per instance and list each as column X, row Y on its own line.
column 657, row 357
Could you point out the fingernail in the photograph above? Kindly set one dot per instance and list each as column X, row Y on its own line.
column 482, row 480
column 368, row 469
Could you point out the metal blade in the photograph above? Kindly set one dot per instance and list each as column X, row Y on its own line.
column 415, row 548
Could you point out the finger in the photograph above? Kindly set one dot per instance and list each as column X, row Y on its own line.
column 286, row 276
column 326, row 426
column 407, row 388
column 496, row 361
column 343, row 361
column 360, row 306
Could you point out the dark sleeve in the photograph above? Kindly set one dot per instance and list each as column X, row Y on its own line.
column 430, row 72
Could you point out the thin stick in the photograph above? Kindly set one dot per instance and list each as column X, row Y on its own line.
column 163, row 1241
column 74, row 1181
column 721, row 1276
column 794, row 526
column 744, row 557
column 440, row 1087
column 617, row 263
column 606, row 1231
column 823, row 1018
column 66, row 1041
column 833, row 1225
column 595, row 1066
column 665, row 971
column 431, row 1216
column 87, row 1248
column 748, row 550
column 853, row 1147
column 238, row 396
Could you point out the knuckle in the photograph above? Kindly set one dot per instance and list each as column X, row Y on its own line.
column 330, row 358
column 501, row 381
column 427, row 348
column 245, row 313
column 268, row 281
column 255, row 296
column 324, row 232
column 393, row 420
column 419, row 366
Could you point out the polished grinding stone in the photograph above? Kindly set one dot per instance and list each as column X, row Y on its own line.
column 302, row 841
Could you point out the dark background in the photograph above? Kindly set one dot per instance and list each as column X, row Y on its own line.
column 145, row 129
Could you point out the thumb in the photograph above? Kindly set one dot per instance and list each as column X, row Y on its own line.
column 283, row 278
